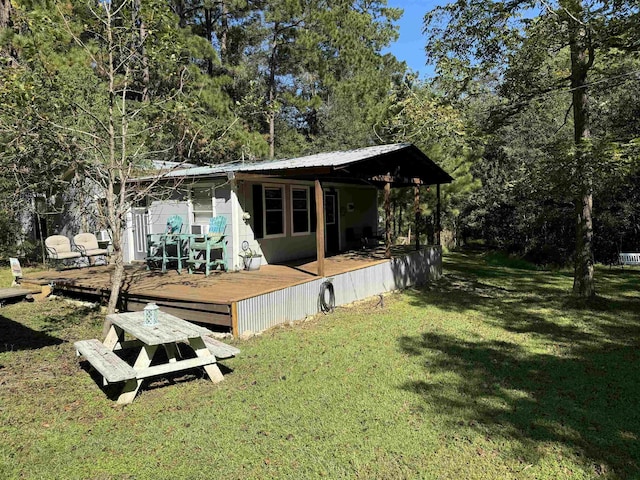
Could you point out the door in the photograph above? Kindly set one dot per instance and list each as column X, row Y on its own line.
column 140, row 231
column 331, row 221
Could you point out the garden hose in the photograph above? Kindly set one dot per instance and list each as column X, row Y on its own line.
column 330, row 305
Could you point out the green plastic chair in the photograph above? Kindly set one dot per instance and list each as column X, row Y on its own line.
column 174, row 224
column 200, row 247
column 158, row 244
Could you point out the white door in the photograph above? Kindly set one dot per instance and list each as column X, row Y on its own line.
column 140, row 231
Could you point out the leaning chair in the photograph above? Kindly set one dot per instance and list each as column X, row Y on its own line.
column 158, row 244
column 200, row 247
column 59, row 250
column 87, row 245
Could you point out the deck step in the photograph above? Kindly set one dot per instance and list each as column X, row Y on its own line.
column 15, row 292
column 220, row 349
column 110, row 366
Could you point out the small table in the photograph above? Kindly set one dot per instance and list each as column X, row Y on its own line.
column 169, row 331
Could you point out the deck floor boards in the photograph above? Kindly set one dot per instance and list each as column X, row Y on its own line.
column 217, row 288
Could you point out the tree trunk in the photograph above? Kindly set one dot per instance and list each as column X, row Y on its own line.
column 581, row 62
column 116, row 200
column 271, row 95
column 144, row 59
column 116, row 280
column 208, row 26
column 224, row 31
column 6, row 11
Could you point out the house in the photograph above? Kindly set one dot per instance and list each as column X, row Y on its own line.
column 272, row 205
column 300, row 214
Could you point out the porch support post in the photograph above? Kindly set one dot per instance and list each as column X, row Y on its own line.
column 416, row 211
column 234, row 262
column 438, row 215
column 320, row 228
column 387, row 220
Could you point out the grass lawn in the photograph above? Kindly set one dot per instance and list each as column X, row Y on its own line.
column 493, row 372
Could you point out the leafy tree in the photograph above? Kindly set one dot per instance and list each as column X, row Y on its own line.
column 418, row 114
column 512, row 43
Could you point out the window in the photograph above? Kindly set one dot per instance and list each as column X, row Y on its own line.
column 273, row 211
column 202, row 205
column 300, row 210
column 330, row 208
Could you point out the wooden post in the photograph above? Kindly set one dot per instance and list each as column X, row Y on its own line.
column 416, row 211
column 234, row 319
column 320, row 228
column 387, row 220
column 438, row 215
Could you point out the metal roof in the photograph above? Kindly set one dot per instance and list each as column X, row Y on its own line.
column 404, row 160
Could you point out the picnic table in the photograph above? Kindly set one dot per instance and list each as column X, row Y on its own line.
column 171, row 333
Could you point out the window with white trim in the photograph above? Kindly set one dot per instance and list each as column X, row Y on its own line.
column 201, row 199
column 273, row 198
column 300, row 210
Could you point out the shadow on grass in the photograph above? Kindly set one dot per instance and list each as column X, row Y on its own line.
column 16, row 336
column 580, row 389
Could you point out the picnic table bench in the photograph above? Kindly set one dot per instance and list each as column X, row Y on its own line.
column 629, row 259
column 172, row 333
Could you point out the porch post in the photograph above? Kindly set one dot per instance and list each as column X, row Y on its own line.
column 387, row 220
column 234, row 262
column 320, row 228
column 438, row 215
column 416, row 211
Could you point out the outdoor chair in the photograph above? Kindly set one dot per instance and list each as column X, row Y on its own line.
column 200, row 247
column 59, row 250
column 160, row 246
column 87, row 245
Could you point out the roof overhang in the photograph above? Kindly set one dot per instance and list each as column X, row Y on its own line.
column 401, row 165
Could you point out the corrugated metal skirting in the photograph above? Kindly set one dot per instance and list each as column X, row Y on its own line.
column 282, row 306
column 298, row 302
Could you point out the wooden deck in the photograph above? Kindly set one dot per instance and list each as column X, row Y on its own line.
column 195, row 297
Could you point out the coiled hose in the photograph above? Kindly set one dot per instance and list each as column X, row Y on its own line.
column 327, row 305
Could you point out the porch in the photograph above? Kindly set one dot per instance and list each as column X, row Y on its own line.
column 253, row 300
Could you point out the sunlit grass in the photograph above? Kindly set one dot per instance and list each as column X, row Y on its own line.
column 494, row 372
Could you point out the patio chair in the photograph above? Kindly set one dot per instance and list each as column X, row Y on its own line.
column 158, row 244
column 200, row 247
column 87, row 245
column 59, row 250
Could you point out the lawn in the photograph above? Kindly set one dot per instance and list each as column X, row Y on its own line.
column 493, row 372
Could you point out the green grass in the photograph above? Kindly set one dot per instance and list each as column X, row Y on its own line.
column 493, row 372
column 6, row 278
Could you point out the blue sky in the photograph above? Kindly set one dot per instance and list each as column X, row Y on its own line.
column 410, row 45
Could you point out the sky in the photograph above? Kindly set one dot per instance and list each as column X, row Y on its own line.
column 410, row 45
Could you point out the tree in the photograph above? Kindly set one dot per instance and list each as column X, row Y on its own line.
column 480, row 38
column 418, row 114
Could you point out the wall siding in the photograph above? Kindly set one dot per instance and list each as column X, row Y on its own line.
column 160, row 211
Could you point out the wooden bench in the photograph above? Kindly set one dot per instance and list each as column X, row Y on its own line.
column 219, row 349
column 629, row 259
column 112, row 368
